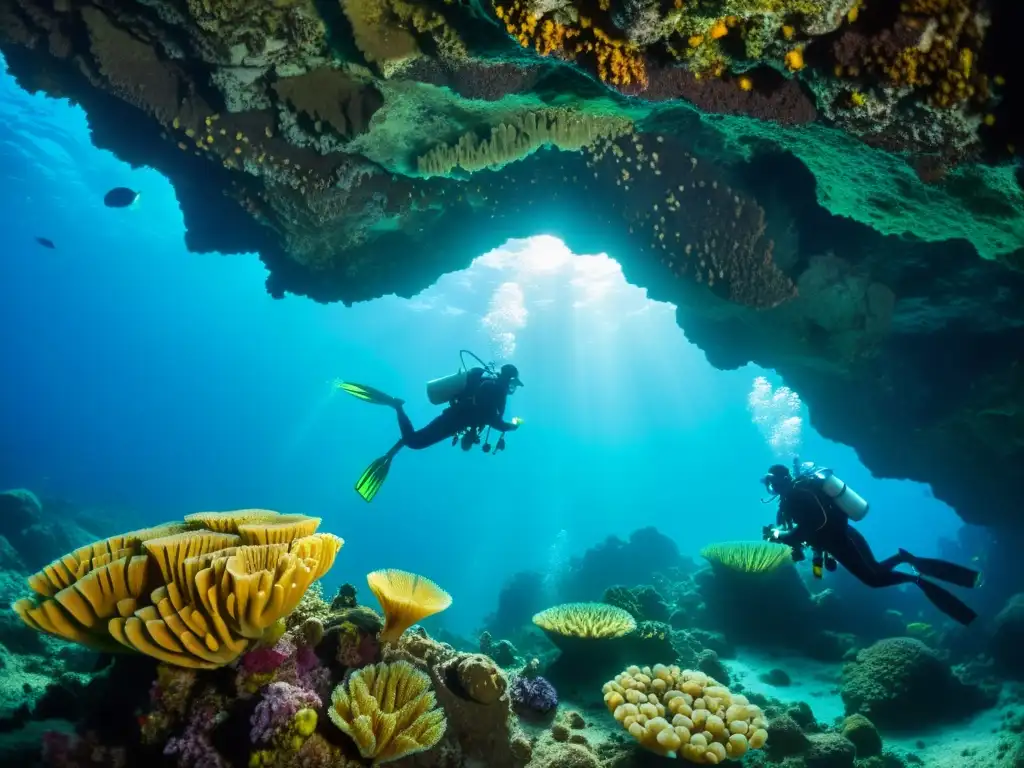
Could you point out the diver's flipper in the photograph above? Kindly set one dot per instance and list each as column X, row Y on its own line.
column 373, row 477
column 947, row 602
column 943, row 570
column 369, row 394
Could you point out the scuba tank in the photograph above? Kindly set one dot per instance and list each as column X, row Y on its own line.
column 448, row 388
column 848, row 500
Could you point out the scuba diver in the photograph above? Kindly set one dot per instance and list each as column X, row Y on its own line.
column 476, row 399
column 815, row 509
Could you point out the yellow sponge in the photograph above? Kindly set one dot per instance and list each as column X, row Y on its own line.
column 683, row 713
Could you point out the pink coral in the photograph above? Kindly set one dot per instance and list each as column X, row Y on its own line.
column 263, row 661
column 276, row 710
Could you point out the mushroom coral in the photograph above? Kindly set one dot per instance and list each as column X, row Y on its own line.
column 389, row 710
column 405, row 599
column 748, row 556
column 183, row 593
column 709, row 724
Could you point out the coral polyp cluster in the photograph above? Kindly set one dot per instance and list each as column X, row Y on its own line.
column 708, row 723
column 933, row 48
column 617, row 62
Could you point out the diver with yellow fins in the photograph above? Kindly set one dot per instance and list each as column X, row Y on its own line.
column 476, row 399
column 816, row 508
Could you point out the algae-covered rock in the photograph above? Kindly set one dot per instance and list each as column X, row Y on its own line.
column 902, row 683
column 830, row 750
column 863, row 734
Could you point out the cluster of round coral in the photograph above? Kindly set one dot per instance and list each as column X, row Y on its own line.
column 708, row 723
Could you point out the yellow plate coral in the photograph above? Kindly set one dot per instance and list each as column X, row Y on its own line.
column 184, row 594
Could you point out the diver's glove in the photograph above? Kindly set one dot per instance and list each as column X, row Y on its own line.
column 516, row 422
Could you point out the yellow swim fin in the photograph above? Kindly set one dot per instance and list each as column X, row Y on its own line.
column 373, row 477
column 368, row 394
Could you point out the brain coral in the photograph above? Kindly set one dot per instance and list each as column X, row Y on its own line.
column 709, row 724
column 902, row 683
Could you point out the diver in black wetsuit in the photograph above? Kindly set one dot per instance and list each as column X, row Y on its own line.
column 482, row 404
column 477, row 403
column 810, row 515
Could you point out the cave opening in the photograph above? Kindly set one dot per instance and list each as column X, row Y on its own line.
column 193, row 388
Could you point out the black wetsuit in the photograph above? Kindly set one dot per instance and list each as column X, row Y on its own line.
column 482, row 405
column 822, row 526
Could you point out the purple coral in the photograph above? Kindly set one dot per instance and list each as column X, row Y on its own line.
column 277, row 709
column 193, row 747
column 534, row 694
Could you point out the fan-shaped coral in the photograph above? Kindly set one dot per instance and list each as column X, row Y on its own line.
column 405, row 599
column 585, row 620
column 185, row 595
column 388, row 710
column 748, row 556
column 709, row 724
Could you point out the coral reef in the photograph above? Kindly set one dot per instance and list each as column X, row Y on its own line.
column 634, row 561
column 502, row 651
column 643, row 603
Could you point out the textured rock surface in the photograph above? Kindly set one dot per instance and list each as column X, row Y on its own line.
column 889, row 680
column 304, row 131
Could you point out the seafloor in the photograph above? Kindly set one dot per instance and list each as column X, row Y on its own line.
column 208, row 643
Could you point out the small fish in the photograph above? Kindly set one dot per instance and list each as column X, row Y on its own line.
column 120, row 197
column 46, row 243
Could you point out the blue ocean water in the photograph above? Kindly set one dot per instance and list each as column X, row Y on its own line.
column 150, row 382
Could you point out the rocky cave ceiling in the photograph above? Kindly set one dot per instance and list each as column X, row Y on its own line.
column 823, row 187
